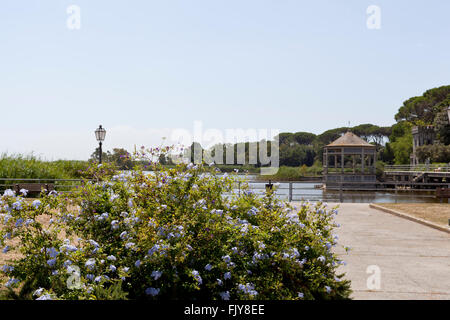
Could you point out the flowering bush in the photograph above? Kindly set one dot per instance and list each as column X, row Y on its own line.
column 178, row 233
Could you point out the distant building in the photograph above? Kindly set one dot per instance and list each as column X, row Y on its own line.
column 349, row 161
column 423, row 135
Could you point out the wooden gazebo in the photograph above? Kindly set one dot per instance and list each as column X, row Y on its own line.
column 351, row 162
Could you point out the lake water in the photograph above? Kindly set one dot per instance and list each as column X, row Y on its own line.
column 307, row 191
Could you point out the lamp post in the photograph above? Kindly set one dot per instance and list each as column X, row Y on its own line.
column 100, row 134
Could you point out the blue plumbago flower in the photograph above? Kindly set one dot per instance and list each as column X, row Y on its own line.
column 226, row 258
column 249, row 272
column 259, row 256
column 301, row 295
column 112, row 268
column 90, row 263
column 17, row 205
column 94, row 243
column 208, row 267
column 68, row 248
column 23, row 191
column 126, row 269
column 197, row 276
column 11, row 282
column 227, row 275
column 152, row 291
column 130, row 203
column 156, row 274
column 98, row 279
column 152, row 223
column 253, row 211
column 45, row 297
column 302, row 225
column 52, row 252
column 328, row 245
column 7, row 268
column 337, row 279
column 67, row 263
column 111, row 258
column 170, row 235
column 154, row 249
column 28, row 222
column 51, row 262
column 219, row 282
column 225, row 295
column 90, row 276
column 261, row 245
column 306, row 248
column 9, row 193
column 53, row 192
column 249, row 288
column 321, row 259
column 113, row 197
column 244, row 229
column 38, row 292
column 234, row 250
column 115, row 224
column 137, row 263
column 5, row 249
column 328, row 289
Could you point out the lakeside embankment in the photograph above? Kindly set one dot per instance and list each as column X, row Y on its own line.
column 406, row 259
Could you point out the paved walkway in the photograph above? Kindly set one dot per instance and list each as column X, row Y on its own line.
column 413, row 259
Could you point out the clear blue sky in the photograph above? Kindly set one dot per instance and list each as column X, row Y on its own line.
column 142, row 67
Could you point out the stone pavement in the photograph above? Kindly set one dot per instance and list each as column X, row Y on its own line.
column 413, row 259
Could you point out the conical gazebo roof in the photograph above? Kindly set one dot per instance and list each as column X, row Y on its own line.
column 349, row 139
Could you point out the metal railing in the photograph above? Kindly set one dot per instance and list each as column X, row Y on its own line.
column 289, row 190
column 58, row 184
column 417, row 168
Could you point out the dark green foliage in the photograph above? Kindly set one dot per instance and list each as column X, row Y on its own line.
column 437, row 153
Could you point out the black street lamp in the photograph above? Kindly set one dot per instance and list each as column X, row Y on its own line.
column 100, row 134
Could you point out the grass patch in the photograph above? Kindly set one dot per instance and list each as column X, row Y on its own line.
column 438, row 213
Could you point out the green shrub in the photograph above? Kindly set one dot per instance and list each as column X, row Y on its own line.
column 177, row 234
